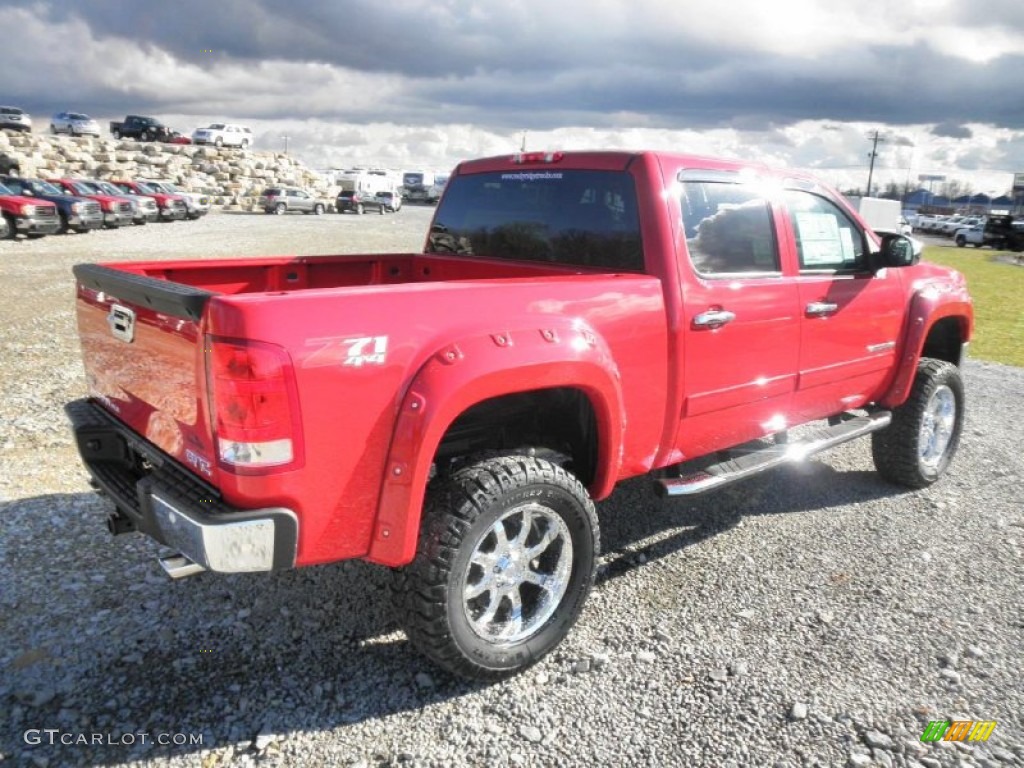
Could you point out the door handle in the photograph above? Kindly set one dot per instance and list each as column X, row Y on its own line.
column 713, row 318
column 818, row 308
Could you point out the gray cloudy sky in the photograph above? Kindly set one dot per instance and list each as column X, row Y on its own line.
column 430, row 82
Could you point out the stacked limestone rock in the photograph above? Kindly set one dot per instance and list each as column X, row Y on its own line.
column 234, row 178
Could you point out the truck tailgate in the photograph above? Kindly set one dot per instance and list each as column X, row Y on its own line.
column 143, row 353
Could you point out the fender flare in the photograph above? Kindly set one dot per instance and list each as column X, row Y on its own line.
column 928, row 306
column 471, row 371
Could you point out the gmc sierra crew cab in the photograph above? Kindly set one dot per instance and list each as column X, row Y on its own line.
column 574, row 319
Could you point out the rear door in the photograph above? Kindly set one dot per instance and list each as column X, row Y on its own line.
column 850, row 315
column 742, row 335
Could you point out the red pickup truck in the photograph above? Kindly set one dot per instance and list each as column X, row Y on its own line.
column 574, row 320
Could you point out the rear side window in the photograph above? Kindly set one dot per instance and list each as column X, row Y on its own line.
column 728, row 228
column 576, row 217
column 271, row 191
column 826, row 238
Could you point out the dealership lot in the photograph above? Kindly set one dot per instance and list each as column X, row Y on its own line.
column 815, row 616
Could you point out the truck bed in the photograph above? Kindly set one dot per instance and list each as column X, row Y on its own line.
column 287, row 273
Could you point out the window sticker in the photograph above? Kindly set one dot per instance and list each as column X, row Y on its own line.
column 820, row 240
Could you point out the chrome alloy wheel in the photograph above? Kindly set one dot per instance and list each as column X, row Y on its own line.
column 937, row 426
column 518, row 574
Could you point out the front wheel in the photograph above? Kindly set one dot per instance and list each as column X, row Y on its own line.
column 961, row 241
column 144, row 136
column 116, row 135
column 318, row 209
column 506, row 559
column 280, row 208
column 920, row 443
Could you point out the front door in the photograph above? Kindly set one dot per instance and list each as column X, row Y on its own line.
column 851, row 316
column 741, row 342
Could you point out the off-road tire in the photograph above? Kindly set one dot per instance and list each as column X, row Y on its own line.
column 899, row 449
column 460, row 516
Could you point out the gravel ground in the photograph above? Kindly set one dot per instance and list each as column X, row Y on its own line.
column 815, row 616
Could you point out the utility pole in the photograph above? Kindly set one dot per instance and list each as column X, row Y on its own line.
column 285, row 143
column 875, row 138
column 522, row 144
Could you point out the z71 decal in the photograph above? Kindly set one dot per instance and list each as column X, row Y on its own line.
column 357, row 352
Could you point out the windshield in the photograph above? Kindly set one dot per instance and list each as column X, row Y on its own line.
column 163, row 186
column 17, row 187
column 106, row 186
column 586, row 218
column 83, row 188
column 77, row 116
column 5, row 191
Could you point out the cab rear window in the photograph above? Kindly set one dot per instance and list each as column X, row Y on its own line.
column 577, row 217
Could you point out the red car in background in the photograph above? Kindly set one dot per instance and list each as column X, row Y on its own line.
column 26, row 215
column 172, row 207
column 117, row 211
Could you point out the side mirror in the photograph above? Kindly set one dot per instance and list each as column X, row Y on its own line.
column 899, row 251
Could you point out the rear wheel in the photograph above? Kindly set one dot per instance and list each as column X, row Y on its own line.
column 506, row 559
column 318, row 209
column 925, row 432
column 961, row 241
column 144, row 136
column 218, row 142
column 116, row 134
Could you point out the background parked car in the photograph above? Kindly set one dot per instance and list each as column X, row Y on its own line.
column 172, row 207
column 145, row 210
column 281, row 200
column 392, row 200
column 118, row 210
column 78, row 214
column 357, row 202
column 223, row 135
column 25, row 215
column 74, row 124
column 15, row 119
column 196, row 203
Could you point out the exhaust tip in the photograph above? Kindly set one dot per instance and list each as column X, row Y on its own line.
column 179, row 566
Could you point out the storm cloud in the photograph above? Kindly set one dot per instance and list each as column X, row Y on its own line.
column 745, row 66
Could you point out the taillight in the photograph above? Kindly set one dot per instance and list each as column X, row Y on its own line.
column 537, row 157
column 254, row 406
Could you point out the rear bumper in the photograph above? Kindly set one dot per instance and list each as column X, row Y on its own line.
column 156, row 496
